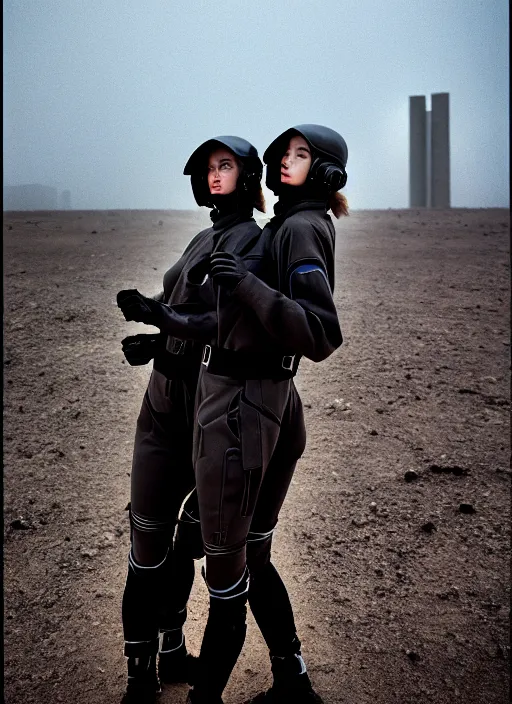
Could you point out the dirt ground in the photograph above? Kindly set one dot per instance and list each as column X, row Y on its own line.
column 399, row 595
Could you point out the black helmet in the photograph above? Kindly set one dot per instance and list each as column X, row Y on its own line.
column 248, row 183
column 329, row 156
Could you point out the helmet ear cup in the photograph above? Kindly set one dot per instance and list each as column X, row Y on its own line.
column 333, row 176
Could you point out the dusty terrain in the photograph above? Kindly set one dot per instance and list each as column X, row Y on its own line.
column 399, row 596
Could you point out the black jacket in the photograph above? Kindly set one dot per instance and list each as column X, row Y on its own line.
column 286, row 298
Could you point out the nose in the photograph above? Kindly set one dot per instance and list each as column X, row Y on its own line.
column 285, row 161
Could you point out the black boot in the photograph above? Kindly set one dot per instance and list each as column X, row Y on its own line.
column 143, row 684
column 291, row 683
column 175, row 664
column 223, row 639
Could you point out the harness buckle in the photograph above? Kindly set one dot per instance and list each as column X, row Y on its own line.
column 207, row 353
column 288, row 365
column 177, row 346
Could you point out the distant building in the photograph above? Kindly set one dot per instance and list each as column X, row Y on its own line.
column 30, row 197
column 429, row 152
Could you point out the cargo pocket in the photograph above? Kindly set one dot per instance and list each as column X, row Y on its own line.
column 252, row 460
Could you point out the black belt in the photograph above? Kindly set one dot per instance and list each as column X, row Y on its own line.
column 177, row 366
column 239, row 364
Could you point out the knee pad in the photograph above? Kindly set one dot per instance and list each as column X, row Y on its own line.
column 236, row 592
column 148, row 570
column 152, row 537
column 258, row 550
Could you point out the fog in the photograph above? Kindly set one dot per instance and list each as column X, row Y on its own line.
column 108, row 100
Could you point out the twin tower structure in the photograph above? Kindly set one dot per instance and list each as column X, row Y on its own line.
column 429, row 152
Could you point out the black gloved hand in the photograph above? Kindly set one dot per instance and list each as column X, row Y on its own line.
column 135, row 306
column 141, row 349
column 227, row 269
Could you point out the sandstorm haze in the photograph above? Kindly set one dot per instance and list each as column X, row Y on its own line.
column 107, row 100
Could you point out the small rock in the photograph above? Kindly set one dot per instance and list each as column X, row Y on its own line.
column 373, row 507
column 89, row 553
column 412, row 655
column 466, row 508
column 20, row 524
column 410, row 475
column 94, row 232
column 428, row 527
column 373, row 432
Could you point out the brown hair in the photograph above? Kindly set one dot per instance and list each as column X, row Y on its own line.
column 338, row 203
column 259, row 198
column 259, row 201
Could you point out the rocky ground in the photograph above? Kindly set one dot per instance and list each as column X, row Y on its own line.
column 395, row 537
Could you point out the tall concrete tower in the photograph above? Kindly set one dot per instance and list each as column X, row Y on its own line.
column 429, row 152
column 440, row 151
column 417, row 152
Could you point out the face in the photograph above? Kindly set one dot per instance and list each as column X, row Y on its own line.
column 296, row 162
column 223, row 172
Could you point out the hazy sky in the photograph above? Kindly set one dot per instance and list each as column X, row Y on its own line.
column 108, row 98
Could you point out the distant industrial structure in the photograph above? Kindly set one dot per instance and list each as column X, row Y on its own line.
column 429, row 152
column 34, row 196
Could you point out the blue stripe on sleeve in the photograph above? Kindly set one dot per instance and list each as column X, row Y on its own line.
column 307, row 269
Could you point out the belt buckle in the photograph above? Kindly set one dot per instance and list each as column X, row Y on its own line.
column 207, row 353
column 284, row 365
column 177, row 346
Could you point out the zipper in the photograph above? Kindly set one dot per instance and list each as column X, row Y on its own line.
column 247, row 488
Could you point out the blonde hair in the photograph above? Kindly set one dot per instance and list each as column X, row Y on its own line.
column 338, row 203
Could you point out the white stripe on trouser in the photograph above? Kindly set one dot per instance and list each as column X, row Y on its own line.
column 172, row 649
column 217, row 593
column 259, row 536
column 135, row 565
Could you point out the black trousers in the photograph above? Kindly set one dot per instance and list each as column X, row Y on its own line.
column 248, row 437
column 162, row 476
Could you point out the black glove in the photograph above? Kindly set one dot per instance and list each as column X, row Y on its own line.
column 135, row 306
column 227, row 269
column 141, row 349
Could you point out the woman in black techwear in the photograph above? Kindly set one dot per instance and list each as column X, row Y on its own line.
column 225, row 175
column 272, row 307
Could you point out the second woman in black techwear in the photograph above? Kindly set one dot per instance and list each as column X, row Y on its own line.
column 272, row 308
